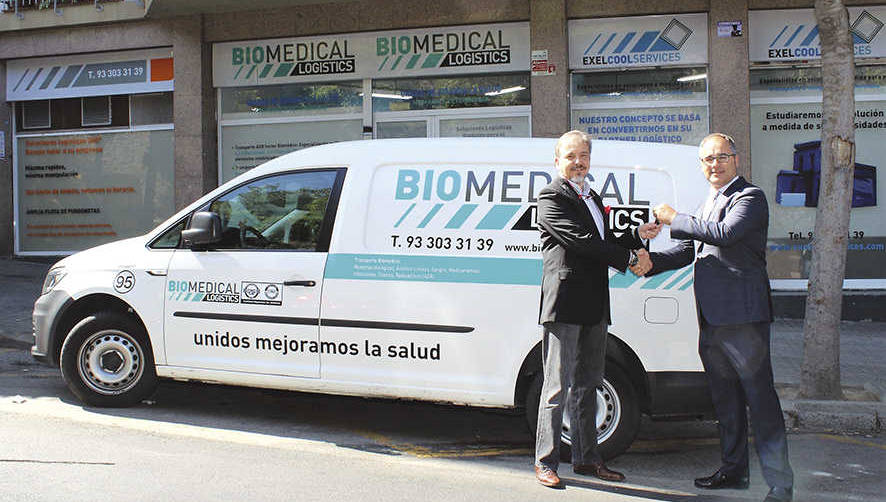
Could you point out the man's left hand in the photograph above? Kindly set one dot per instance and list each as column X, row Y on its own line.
column 648, row 230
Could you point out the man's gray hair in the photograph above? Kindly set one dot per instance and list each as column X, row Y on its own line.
column 722, row 136
column 583, row 135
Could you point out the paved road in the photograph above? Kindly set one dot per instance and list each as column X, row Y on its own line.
column 202, row 442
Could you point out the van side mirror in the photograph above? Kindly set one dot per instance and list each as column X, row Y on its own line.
column 205, row 229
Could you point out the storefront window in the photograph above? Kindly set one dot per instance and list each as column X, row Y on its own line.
column 291, row 100
column 785, row 151
column 260, row 123
column 662, row 105
column 79, row 190
column 246, row 146
column 450, row 92
column 493, row 127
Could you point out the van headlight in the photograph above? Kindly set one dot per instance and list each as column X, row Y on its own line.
column 53, row 277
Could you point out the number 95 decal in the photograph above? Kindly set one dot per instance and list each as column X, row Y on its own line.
column 124, row 281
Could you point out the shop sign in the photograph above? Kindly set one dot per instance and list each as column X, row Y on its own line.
column 680, row 39
column 685, row 125
column 790, row 35
column 402, row 53
column 541, row 64
column 108, row 73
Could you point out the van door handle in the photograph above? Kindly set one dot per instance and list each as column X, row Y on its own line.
column 309, row 284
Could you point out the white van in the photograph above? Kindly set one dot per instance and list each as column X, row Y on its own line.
column 387, row 268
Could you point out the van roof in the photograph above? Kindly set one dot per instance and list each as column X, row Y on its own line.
column 680, row 161
column 462, row 150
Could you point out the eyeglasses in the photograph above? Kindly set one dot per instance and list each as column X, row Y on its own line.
column 721, row 157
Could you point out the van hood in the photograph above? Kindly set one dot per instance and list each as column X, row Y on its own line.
column 117, row 254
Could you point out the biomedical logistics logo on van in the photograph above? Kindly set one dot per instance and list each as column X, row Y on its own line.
column 483, row 210
column 245, row 292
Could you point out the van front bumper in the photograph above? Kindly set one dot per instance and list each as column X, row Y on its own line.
column 47, row 309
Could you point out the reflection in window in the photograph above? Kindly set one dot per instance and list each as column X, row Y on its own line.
column 634, row 85
column 870, row 79
column 170, row 238
column 293, row 99
column 450, row 92
column 280, row 212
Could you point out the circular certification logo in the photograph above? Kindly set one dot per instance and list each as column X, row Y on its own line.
column 124, row 282
column 251, row 290
column 271, row 291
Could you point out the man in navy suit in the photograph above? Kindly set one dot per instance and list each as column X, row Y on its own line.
column 577, row 250
column 727, row 241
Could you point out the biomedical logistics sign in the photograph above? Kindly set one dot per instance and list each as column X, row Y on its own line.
column 402, row 53
column 643, row 41
column 791, row 35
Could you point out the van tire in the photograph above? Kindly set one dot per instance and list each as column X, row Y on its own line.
column 623, row 413
column 107, row 360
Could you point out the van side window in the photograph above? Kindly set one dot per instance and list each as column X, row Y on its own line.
column 170, row 238
column 279, row 212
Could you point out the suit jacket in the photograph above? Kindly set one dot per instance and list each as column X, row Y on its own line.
column 576, row 258
column 731, row 282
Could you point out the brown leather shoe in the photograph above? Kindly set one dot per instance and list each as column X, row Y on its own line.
column 598, row 470
column 547, row 477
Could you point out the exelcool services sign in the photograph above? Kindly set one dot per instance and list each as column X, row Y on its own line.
column 638, row 41
column 790, row 35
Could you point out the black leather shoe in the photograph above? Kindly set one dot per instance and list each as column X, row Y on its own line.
column 722, row 479
column 778, row 494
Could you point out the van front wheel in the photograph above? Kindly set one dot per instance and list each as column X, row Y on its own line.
column 618, row 413
column 106, row 360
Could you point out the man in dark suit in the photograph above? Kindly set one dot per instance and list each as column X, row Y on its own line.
column 727, row 241
column 577, row 248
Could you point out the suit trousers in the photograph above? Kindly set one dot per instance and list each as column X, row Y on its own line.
column 737, row 362
column 573, row 356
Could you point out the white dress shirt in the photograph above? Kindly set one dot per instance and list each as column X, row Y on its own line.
column 584, row 191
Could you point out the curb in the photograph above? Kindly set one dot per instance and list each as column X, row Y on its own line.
column 852, row 417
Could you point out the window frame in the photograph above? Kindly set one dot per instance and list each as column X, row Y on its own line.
column 324, row 236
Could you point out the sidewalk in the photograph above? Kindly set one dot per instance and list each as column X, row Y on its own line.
column 862, row 356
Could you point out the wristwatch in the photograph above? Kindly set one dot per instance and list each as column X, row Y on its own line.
column 634, row 259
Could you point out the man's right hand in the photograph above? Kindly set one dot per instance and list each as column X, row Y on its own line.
column 644, row 263
column 664, row 213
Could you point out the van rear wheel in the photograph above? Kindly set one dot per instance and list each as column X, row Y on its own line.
column 107, row 361
column 618, row 413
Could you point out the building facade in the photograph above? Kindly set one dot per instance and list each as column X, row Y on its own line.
column 117, row 113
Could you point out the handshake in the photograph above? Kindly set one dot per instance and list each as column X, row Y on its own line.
column 644, row 263
column 664, row 214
